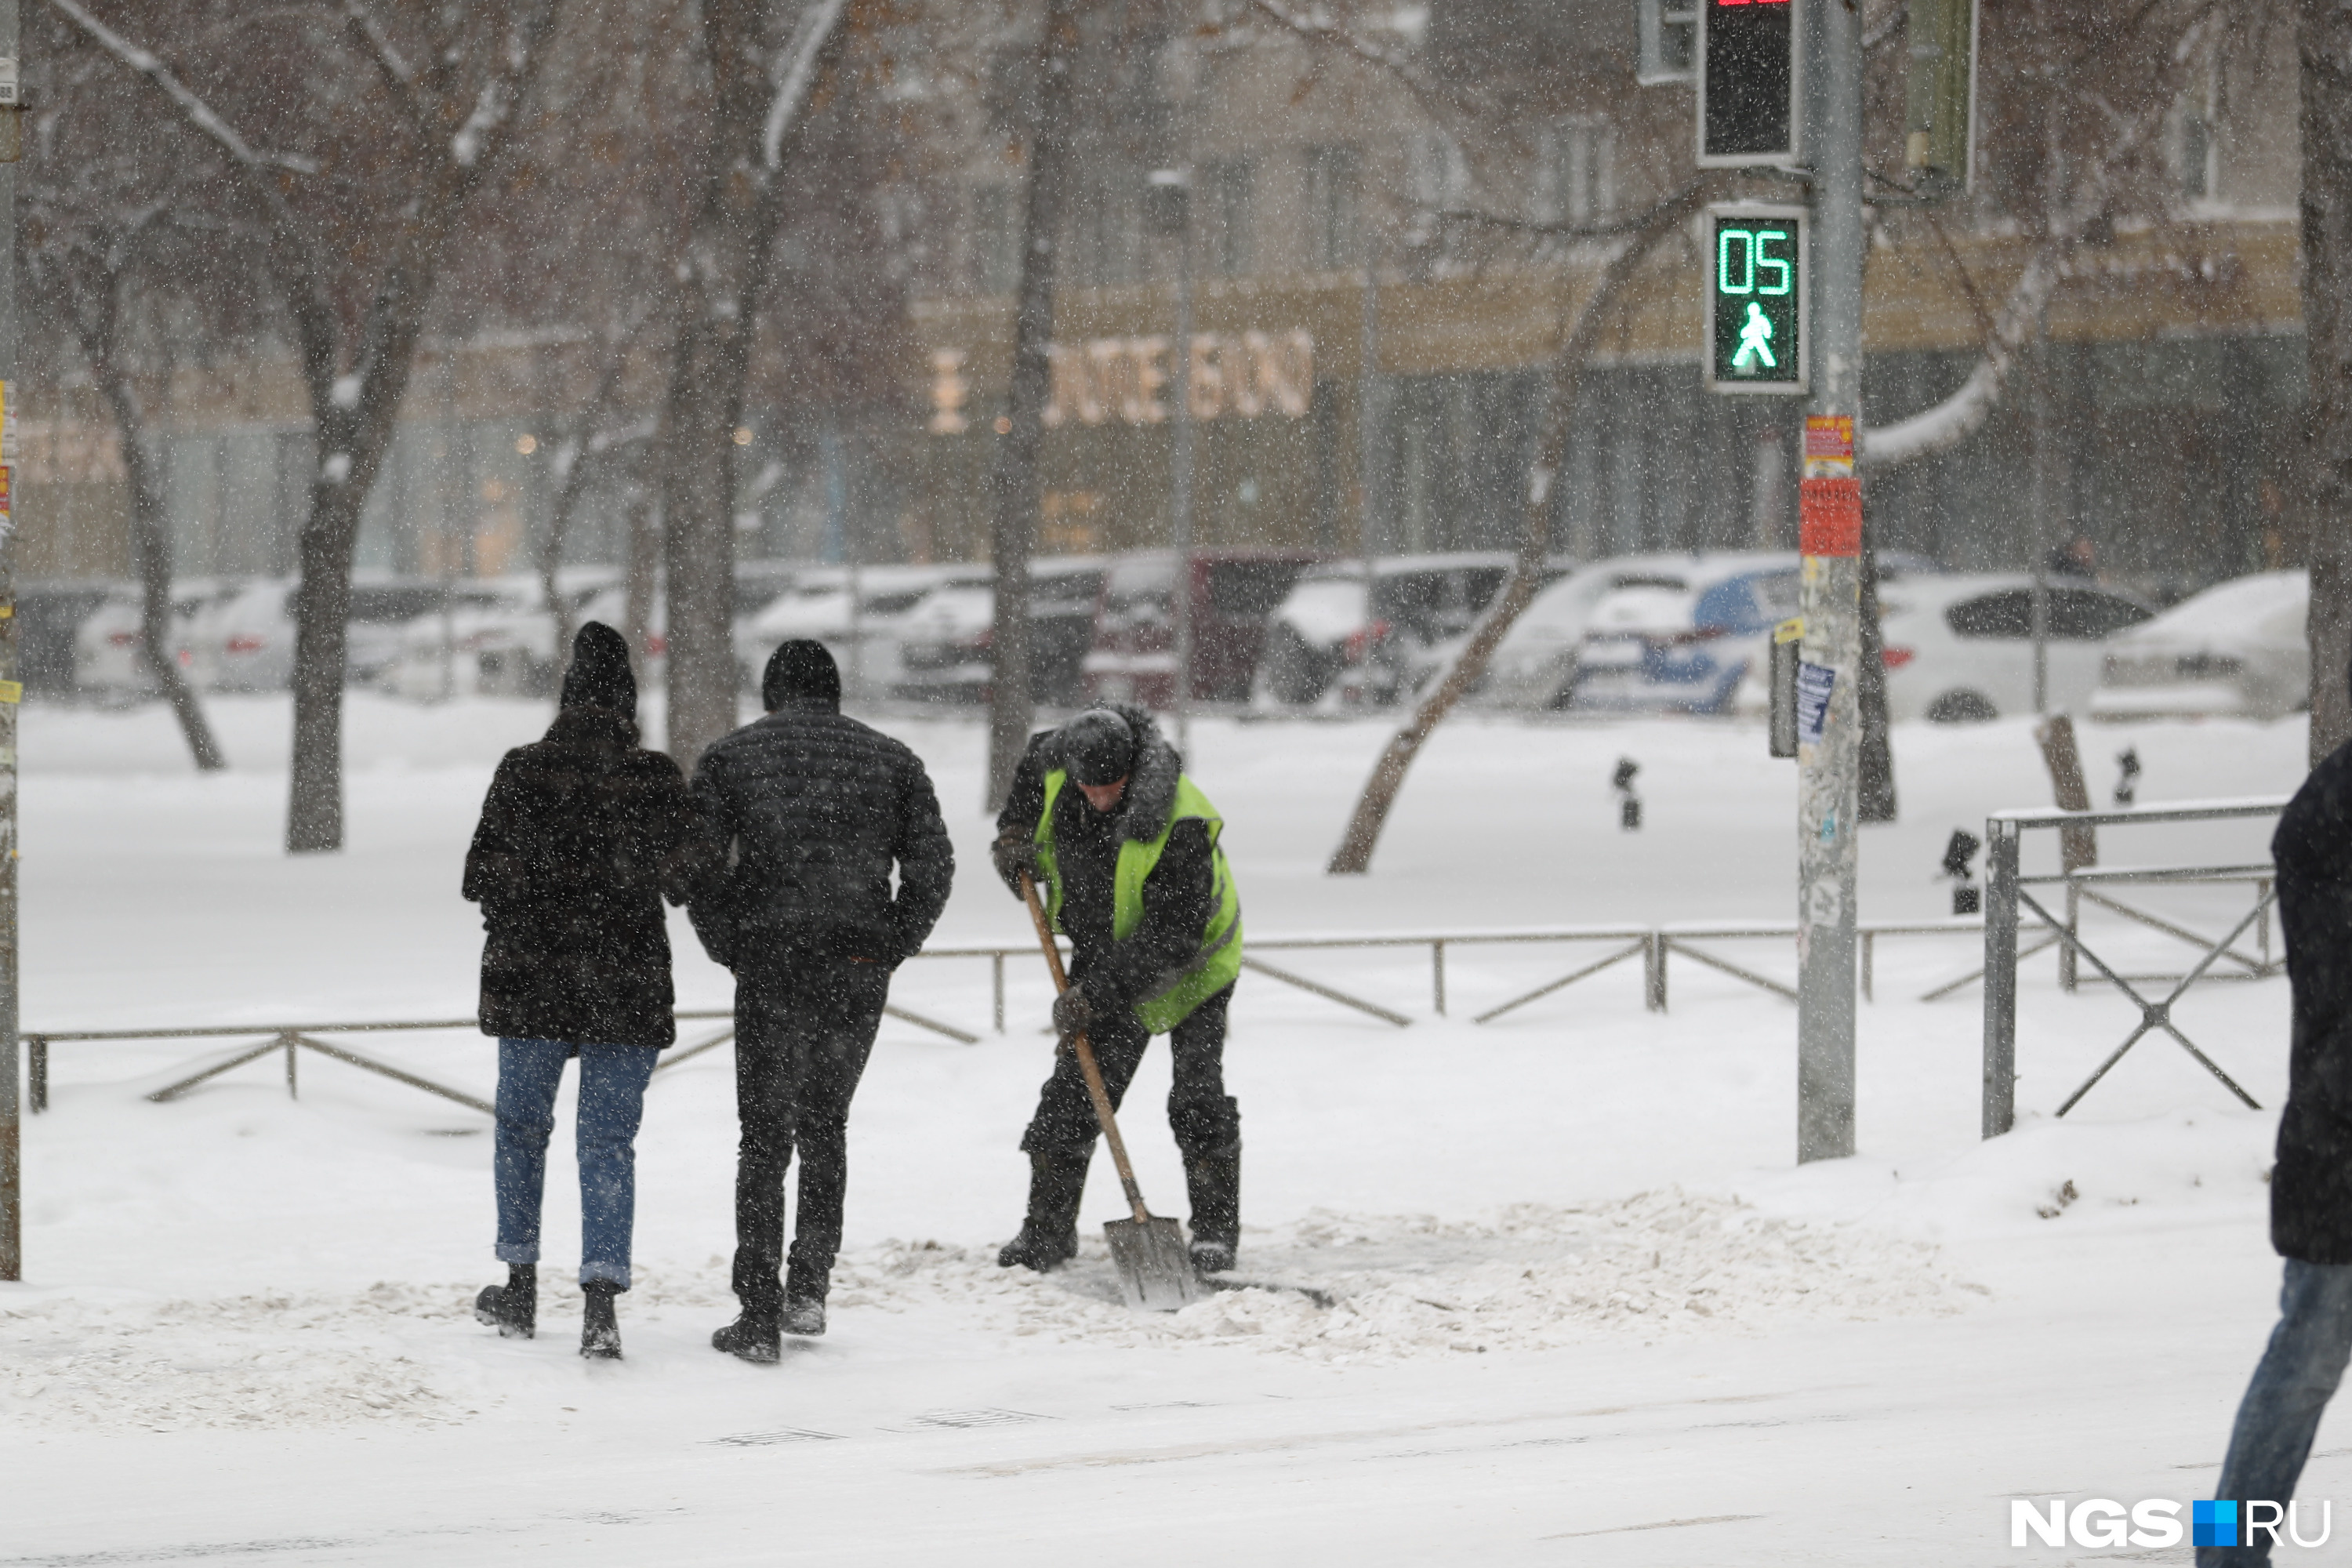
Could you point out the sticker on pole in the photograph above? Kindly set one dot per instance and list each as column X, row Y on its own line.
column 1814, row 683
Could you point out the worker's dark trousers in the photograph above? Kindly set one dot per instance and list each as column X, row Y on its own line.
column 1204, row 1118
column 803, row 1030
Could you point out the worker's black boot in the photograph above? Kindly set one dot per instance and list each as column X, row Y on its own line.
column 1049, row 1236
column 753, row 1337
column 1214, row 1184
column 600, row 1326
column 512, row 1308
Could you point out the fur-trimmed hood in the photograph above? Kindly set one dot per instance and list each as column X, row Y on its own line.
column 1151, row 796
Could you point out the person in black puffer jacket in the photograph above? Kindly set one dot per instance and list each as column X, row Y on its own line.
column 583, row 834
column 2311, row 1187
column 810, row 811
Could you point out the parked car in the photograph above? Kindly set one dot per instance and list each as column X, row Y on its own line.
column 1535, row 664
column 945, row 644
column 863, row 632
column 1959, row 649
column 1653, row 649
column 1329, row 635
column 107, row 663
column 48, row 616
column 1232, row 592
column 490, row 638
column 2237, row 648
column 244, row 641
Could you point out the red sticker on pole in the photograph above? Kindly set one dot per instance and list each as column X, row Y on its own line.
column 1828, row 517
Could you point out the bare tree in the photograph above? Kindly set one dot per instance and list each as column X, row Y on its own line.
column 1012, row 478
column 766, row 60
column 352, row 136
column 85, row 251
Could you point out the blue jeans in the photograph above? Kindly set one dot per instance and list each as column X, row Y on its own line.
column 2281, row 1414
column 612, row 1102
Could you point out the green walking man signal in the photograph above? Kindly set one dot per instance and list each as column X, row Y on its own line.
column 1755, row 298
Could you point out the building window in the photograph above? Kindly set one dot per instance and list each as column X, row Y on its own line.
column 996, row 239
column 1222, row 196
column 1669, row 30
column 1441, row 175
column 1334, row 200
column 1576, row 179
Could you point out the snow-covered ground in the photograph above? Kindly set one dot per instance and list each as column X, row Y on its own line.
column 1580, row 1306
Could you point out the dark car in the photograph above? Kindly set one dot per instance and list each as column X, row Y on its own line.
column 1233, row 595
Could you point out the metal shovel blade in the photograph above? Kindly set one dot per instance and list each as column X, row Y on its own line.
column 1155, row 1272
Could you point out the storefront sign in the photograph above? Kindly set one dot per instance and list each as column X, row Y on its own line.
column 1134, row 380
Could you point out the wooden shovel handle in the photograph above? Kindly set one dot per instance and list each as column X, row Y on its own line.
column 1095, row 1091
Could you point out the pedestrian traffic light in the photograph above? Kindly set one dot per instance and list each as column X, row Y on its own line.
column 1755, row 298
column 1748, row 82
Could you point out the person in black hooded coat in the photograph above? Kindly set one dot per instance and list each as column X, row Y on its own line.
column 2311, row 1187
column 583, row 834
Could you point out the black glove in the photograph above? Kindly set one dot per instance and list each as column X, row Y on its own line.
column 1014, row 855
column 1073, row 1013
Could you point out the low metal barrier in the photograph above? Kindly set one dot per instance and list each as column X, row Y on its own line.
column 1656, row 946
column 2007, row 899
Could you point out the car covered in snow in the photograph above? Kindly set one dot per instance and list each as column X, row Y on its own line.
column 244, row 641
column 945, row 648
column 107, row 663
column 1328, row 636
column 491, row 636
column 1959, row 649
column 2235, row 649
column 1652, row 648
column 858, row 613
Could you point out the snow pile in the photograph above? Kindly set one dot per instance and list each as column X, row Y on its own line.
column 1346, row 1289
column 258, row 1360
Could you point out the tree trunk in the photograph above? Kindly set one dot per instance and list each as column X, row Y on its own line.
column 2323, row 41
column 1013, row 484
column 1354, row 855
column 151, row 552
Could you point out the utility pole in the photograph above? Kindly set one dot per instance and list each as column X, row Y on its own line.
column 1172, row 188
column 12, row 692
column 1829, row 738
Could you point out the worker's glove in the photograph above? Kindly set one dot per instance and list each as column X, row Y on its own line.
column 1015, row 856
column 1073, row 1013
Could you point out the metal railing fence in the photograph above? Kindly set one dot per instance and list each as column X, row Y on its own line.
column 2008, row 899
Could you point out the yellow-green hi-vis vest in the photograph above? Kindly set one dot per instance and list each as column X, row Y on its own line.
column 1218, row 961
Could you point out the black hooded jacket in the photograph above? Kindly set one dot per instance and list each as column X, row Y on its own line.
column 2311, row 1190
column 1178, row 896
column 580, row 837
column 808, row 811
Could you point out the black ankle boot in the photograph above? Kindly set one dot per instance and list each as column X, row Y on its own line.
column 599, row 1330
column 805, row 1288
column 512, row 1308
column 1049, row 1235
column 753, row 1337
column 1214, row 1184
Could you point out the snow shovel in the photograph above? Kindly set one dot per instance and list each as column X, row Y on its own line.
column 1155, row 1272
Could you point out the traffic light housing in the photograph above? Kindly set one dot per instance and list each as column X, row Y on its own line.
column 1755, row 298
column 1751, row 83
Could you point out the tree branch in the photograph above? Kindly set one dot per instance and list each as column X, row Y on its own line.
column 810, row 36
column 198, row 112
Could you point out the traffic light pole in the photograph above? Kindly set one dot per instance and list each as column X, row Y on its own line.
column 1829, row 741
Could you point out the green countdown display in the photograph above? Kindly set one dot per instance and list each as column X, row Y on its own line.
column 1756, row 300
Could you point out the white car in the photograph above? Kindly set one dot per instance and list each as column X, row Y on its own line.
column 244, row 641
column 1536, row 664
column 862, row 634
column 1329, row 635
column 1959, row 649
column 2237, row 648
column 107, row 663
column 491, row 637
column 945, row 643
